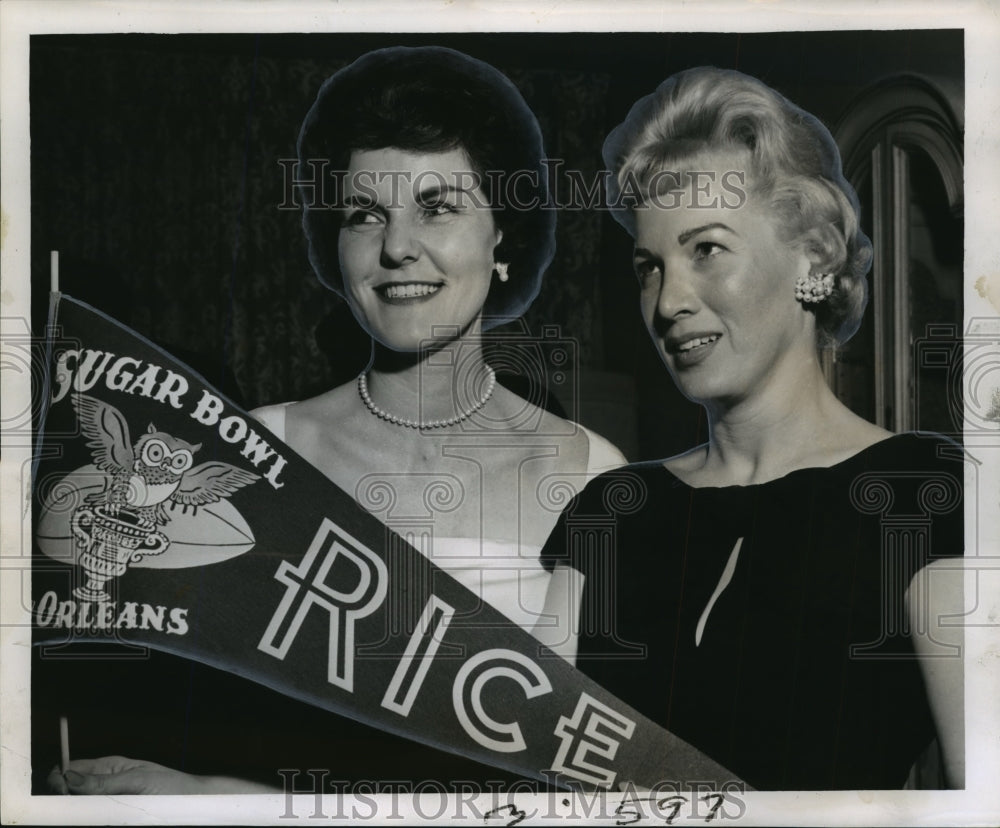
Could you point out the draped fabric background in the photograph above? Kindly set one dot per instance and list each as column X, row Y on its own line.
column 164, row 167
column 156, row 174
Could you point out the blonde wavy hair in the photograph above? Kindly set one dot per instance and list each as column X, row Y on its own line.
column 793, row 166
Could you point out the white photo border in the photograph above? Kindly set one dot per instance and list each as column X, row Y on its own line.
column 978, row 804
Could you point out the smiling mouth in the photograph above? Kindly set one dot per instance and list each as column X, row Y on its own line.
column 409, row 290
column 694, row 344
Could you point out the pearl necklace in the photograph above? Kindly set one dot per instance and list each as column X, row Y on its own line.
column 392, row 418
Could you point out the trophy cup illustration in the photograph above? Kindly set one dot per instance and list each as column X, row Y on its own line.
column 119, row 526
column 110, row 542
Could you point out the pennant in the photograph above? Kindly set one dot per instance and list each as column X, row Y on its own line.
column 156, row 495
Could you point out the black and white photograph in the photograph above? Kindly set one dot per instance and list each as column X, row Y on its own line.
column 500, row 413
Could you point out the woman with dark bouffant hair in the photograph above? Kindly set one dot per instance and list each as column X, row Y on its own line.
column 433, row 225
column 438, row 228
column 775, row 595
column 433, row 101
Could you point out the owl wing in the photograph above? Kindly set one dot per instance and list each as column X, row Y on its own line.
column 210, row 482
column 106, row 432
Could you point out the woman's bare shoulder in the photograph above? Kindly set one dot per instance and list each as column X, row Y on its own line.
column 335, row 402
column 864, row 434
column 688, row 461
column 297, row 418
column 272, row 416
column 578, row 449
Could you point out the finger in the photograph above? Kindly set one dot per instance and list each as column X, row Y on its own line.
column 102, row 764
column 103, row 783
column 56, row 783
column 141, row 779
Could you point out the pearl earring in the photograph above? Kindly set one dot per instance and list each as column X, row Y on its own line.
column 813, row 288
column 501, row 268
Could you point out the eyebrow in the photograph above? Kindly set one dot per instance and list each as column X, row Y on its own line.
column 364, row 202
column 359, row 201
column 694, row 231
column 437, row 190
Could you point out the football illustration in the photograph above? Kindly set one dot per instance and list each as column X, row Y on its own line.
column 211, row 533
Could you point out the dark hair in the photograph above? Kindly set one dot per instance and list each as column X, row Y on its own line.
column 432, row 99
column 793, row 163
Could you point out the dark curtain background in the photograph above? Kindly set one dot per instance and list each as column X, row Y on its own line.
column 155, row 173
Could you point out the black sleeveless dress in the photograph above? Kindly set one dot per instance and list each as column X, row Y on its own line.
column 766, row 624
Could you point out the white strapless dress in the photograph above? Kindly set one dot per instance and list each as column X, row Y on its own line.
column 507, row 575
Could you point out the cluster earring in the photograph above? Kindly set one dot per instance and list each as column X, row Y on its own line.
column 501, row 269
column 813, row 288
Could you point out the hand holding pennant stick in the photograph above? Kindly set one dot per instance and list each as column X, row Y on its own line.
column 155, row 534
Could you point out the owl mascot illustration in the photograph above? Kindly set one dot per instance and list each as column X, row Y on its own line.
column 157, row 469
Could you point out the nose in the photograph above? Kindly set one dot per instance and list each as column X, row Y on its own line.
column 399, row 242
column 677, row 295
